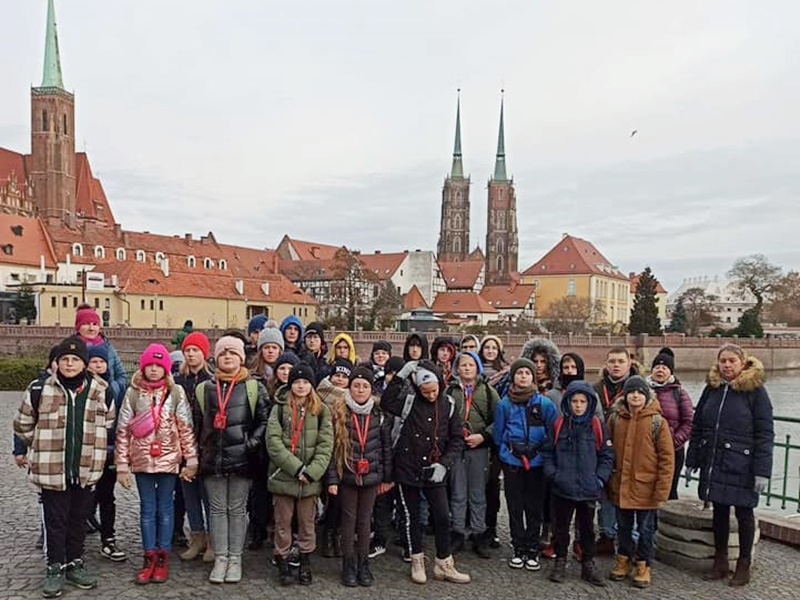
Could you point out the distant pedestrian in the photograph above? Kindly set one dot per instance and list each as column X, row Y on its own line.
column 88, row 328
column 177, row 339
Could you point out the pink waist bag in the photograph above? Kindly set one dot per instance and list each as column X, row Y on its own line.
column 142, row 424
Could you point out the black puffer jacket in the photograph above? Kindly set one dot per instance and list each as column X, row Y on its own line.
column 377, row 449
column 417, row 446
column 239, row 448
column 189, row 383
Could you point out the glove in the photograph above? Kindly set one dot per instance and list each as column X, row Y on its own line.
column 761, row 484
column 408, row 368
column 439, row 473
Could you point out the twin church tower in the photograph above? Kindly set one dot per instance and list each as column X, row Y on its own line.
column 502, row 243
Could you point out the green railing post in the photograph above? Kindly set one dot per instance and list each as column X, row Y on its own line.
column 786, row 470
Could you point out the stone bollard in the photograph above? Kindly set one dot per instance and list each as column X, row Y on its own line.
column 685, row 536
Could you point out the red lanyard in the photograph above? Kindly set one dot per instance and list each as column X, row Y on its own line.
column 362, row 434
column 605, row 395
column 297, row 426
column 223, row 402
column 156, row 414
column 467, row 401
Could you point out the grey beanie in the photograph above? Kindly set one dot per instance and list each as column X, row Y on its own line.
column 270, row 335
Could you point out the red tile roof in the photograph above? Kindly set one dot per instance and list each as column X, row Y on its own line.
column 414, row 299
column 91, row 199
column 305, row 250
column 511, row 297
column 383, row 265
column 461, row 303
column 574, row 256
column 27, row 248
column 12, row 162
column 460, row 275
column 634, row 277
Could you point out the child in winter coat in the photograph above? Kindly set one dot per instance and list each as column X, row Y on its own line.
column 429, row 440
column 234, row 419
column 104, row 489
column 642, row 476
column 578, row 459
column 154, row 434
column 64, row 426
column 361, row 469
column 300, row 444
column 268, row 349
column 521, row 422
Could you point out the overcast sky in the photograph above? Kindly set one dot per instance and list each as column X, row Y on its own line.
column 334, row 121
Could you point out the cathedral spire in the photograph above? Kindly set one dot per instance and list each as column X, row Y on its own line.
column 500, row 160
column 52, row 62
column 458, row 168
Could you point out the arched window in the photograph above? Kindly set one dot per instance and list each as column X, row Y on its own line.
column 499, row 246
column 500, row 263
column 120, row 253
column 191, row 261
column 45, row 124
column 159, row 257
column 208, row 263
column 457, row 244
column 77, row 249
column 99, row 252
column 140, row 256
column 457, row 224
column 223, row 264
column 65, row 125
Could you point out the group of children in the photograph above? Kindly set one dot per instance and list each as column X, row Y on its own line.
column 273, row 424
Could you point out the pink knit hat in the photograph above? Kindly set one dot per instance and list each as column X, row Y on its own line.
column 155, row 354
column 86, row 314
column 229, row 342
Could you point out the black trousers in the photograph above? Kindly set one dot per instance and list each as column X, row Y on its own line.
column 259, row 506
column 680, row 456
column 382, row 517
column 333, row 511
column 525, row 501
column 562, row 511
column 722, row 528
column 356, row 505
column 493, row 489
column 105, row 501
column 65, row 514
column 440, row 511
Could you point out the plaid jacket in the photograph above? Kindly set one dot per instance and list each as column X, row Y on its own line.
column 43, row 430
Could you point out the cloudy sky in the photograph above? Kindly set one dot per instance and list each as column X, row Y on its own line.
column 333, row 121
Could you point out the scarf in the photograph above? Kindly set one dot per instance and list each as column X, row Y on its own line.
column 152, row 386
column 521, row 395
column 95, row 341
column 359, row 409
column 654, row 384
column 241, row 375
column 72, row 383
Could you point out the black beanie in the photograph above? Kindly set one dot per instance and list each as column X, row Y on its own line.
column 343, row 367
column 302, row 371
column 315, row 327
column 74, row 346
column 362, row 372
column 382, row 345
column 394, row 364
column 636, row 383
column 668, row 360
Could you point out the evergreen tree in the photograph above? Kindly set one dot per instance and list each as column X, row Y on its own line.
column 680, row 320
column 749, row 324
column 644, row 314
column 25, row 304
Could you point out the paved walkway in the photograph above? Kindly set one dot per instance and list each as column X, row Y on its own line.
column 776, row 576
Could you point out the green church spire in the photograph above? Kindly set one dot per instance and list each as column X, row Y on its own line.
column 52, row 62
column 500, row 160
column 458, row 168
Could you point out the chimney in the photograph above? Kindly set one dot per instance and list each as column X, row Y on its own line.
column 118, row 230
column 114, row 281
column 239, row 285
column 164, row 264
column 187, row 237
column 377, row 251
column 276, row 263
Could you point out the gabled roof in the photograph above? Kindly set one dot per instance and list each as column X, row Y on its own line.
column 90, row 202
column 461, row 303
column 574, row 256
column 13, row 162
column 461, row 275
column 292, row 249
column 508, row 297
column 413, row 298
column 383, row 265
column 27, row 241
column 634, row 277
column 308, row 270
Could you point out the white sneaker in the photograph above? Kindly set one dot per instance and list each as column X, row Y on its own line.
column 532, row 563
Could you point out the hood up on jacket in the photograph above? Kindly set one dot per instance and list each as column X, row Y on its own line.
column 443, row 341
column 550, row 350
column 293, row 320
column 751, row 377
column 339, row 337
column 565, row 380
column 583, row 388
column 422, row 340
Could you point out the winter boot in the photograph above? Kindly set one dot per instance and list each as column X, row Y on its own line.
column 219, row 570
column 589, row 573
column 161, row 570
column 444, row 569
column 146, row 572
column 208, row 555
column 304, row 576
column 622, row 568
column 741, row 576
column 720, row 570
column 285, row 575
column 559, row 572
column 364, row 575
column 480, row 545
column 197, row 545
column 418, row 568
column 641, row 576
column 78, row 576
column 234, row 572
column 349, row 575
column 53, row 581
column 491, row 535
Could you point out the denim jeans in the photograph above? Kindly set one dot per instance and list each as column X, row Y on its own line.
column 607, row 519
column 645, row 524
column 157, row 517
column 227, row 497
column 468, row 477
column 196, row 501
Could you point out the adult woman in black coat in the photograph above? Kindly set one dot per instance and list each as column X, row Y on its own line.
column 731, row 444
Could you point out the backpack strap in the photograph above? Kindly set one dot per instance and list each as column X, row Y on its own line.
column 557, row 424
column 399, row 421
column 655, row 428
column 200, row 396
column 252, row 395
column 597, row 428
column 676, row 393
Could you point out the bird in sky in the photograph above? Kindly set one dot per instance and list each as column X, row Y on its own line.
column 633, row 133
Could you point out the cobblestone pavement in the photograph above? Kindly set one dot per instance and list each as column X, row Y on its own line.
column 776, row 576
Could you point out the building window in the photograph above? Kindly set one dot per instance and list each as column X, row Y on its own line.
column 99, row 252
column 64, row 301
column 45, row 124
column 208, row 263
column 159, row 257
column 152, row 305
column 191, row 261
column 223, row 264
column 66, row 132
column 52, row 301
column 77, row 249
column 75, row 302
column 571, row 287
column 97, row 302
column 160, row 305
column 140, row 256
column 142, row 303
column 120, row 253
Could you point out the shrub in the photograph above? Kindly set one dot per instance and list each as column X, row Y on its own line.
column 16, row 372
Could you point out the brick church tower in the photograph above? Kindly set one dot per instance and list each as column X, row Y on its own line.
column 454, row 228
column 502, row 243
column 53, row 136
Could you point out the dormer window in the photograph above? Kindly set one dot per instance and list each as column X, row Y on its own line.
column 191, row 261
column 208, row 263
column 99, row 252
column 140, row 256
column 223, row 264
column 159, row 257
column 120, row 253
column 77, row 249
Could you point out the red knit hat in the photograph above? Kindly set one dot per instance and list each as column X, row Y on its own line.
column 198, row 339
column 86, row 314
column 155, row 354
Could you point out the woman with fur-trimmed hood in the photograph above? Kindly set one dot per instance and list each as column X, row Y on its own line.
column 546, row 356
column 731, row 444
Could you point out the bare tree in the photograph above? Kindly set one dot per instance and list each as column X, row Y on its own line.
column 755, row 274
column 700, row 309
column 572, row 314
column 784, row 306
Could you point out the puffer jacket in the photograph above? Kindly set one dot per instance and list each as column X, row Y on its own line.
column 643, row 468
column 732, row 436
column 311, row 456
column 576, row 468
column 174, row 432
column 417, row 446
column 339, row 337
column 519, row 425
column 118, row 378
column 377, row 448
column 677, row 411
column 189, row 383
column 484, row 402
column 238, row 448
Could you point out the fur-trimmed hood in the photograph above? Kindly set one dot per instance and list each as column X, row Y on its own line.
column 751, row 377
column 550, row 350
